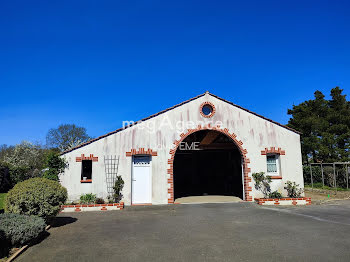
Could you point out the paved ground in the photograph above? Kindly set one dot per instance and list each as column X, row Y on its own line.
column 207, row 199
column 202, row 232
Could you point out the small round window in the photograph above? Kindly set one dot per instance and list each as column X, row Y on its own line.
column 207, row 109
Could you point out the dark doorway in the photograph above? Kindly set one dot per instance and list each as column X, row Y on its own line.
column 207, row 163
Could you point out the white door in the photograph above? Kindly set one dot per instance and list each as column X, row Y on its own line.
column 141, row 180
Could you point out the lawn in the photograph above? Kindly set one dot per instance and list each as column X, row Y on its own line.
column 2, row 200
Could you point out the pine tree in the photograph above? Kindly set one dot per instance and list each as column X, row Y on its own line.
column 325, row 127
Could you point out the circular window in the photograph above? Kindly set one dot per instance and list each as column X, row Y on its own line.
column 207, row 109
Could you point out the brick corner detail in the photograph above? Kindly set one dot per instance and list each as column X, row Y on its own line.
column 141, row 151
column 273, row 150
column 83, row 157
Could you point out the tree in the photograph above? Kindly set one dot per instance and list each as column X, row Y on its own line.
column 23, row 161
column 325, row 127
column 55, row 166
column 66, row 136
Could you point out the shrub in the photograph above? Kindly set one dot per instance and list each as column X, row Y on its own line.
column 20, row 229
column 99, row 201
column 36, row 196
column 275, row 194
column 4, row 245
column 55, row 164
column 5, row 182
column 87, row 199
column 293, row 189
column 262, row 183
column 118, row 187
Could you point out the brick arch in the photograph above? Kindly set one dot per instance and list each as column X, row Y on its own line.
column 238, row 143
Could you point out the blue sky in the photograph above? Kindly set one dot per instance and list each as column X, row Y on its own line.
column 97, row 63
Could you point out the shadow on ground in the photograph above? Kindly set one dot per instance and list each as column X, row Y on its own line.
column 62, row 221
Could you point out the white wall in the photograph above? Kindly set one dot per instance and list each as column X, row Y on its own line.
column 255, row 133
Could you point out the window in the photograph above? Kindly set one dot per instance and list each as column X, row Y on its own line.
column 272, row 164
column 207, row 109
column 86, row 171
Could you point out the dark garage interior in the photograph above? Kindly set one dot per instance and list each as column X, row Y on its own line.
column 212, row 168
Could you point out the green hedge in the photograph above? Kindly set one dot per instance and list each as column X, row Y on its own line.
column 20, row 229
column 37, row 196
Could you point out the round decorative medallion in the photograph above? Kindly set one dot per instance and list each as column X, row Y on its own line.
column 207, row 109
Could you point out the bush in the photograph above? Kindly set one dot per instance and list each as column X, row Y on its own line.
column 87, row 199
column 293, row 189
column 55, row 164
column 20, row 229
column 118, row 187
column 275, row 194
column 5, row 182
column 99, row 201
column 36, row 196
column 262, row 183
column 4, row 246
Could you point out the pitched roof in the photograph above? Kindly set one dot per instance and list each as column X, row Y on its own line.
column 170, row 108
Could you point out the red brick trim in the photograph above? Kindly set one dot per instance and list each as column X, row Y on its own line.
column 141, row 151
column 83, row 157
column 239, row 144
column 77, row 207
column 86, row 181
column 211, row 114
column 273, row 150
column 276, row 177
column 277, row 201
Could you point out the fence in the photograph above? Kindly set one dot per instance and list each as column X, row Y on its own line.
column 327, row 175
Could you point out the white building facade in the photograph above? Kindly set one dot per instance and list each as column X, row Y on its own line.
column 203, row 146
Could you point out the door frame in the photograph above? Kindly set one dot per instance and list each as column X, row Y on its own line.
column 132, row 177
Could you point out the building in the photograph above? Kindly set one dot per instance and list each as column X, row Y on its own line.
column 203, row 146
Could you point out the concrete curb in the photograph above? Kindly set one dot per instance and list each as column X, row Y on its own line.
column 15, row 255
column 22, row 249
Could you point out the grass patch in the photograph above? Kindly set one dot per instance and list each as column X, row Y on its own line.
column 2, row 200
column 319, row 186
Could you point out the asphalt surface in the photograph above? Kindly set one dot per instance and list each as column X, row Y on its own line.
column 200, row 232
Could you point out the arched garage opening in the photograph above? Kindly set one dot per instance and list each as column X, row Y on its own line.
column 207, row 162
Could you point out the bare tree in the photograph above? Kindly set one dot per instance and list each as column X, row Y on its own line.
column 66, row 136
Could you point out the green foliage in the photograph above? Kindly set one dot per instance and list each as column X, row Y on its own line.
column 118, row 187
column 5, row 182
column 325, row 127
column 36, row 196
column 20, row 229
column 66, row 136
column 99, row 201
column 55, row 165
column 4, row 245
column 328, row 175
column 262, row 183
column 24, row 154
column 2, row 200
column 275, row 194
column 87, row 199
column 293, row 189
column 22, row 162
column 21, row 173
column 319, row 186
